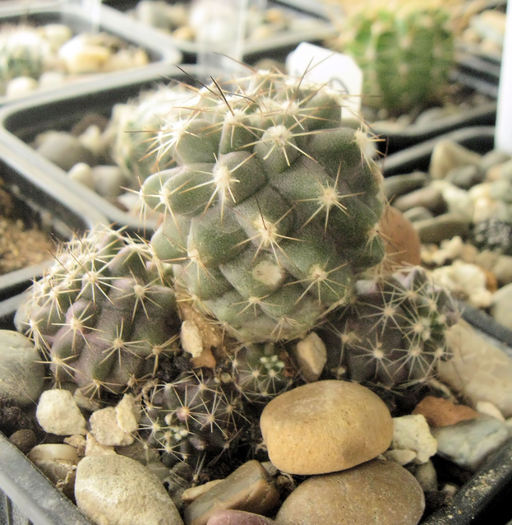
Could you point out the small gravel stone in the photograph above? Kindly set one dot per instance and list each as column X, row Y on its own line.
column 106, row 430
column 325, row 426
column 447, row 155
column 82, row 173
column 440, row 412
column 501, row 308
column 465, row 176
column 21, row 370
column 442, row 227
column 418, row 213
column 238, row 517
column 489, row 409
column 428, row 197
column 57, row 413
column 478, row 370
column 311, row 355
column 108, row 181
column 494, row 159
column 378, row 491
column 247, row 488
column 127, row 414
column 119, row 490
column 63, row 149
column 24, row 439
column 426, row 475
column 399, row 184
column 468, row 443
column 412, row 432
column 502, row 269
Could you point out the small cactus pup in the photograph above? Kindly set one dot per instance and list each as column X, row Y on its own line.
column 103, row 314
column 406, row 52
column 272, row 207
column 393, row 332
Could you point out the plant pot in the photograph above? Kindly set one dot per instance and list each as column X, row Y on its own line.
column 21, row 122
column 160, row 50
column 275, row 46
column 38, row 200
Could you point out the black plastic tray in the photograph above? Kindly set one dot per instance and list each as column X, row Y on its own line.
column 21, row 122
column 160, row 49
column 274, row 47
column 39, row 200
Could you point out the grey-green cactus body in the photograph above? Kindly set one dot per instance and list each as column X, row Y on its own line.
column 393, row 333
column 272, row 207
column 103, row 314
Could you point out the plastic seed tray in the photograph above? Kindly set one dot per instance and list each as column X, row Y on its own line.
column 160, row 49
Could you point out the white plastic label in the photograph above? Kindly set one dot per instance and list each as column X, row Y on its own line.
column 323, row 66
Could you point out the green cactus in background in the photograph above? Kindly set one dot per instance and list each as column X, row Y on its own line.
column 406, row 52
column 393, row 333
column 272, row 207
column 21, row 53
column 104, row 313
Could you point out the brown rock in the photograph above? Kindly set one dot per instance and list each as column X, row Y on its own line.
column 238, row 517
column 440, row 412
column 400, row 238
column 248, row 488
column 325, row 426
column 380, row 492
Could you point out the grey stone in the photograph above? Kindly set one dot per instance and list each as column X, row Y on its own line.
column 447, row 155
column 501, row 308
column 468, row 443
column 24, row 439
column 428, row 197
column 63, row 149
column 21, row 369
column 82, row 173
column 108, row 181
column 399, row 184
column 115, row 489
column 418, row 213
column 493, row 158
column 442, row 227
column 378, row 491
column 465, row 176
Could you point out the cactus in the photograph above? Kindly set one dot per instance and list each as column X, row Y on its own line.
column 272, row 207
column 406, row 52
column 21, row 54
column 193, row 418
column 90, row 313
column 393, row 333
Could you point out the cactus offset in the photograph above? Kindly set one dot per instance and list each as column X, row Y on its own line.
column 393, row 333
column 89, row 314
column 272, row 207
column 406, row 52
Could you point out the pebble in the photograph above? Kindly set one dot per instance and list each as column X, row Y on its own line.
column 247, row 488
column 441, row 412
column 58, row 413
column 238, row 517
column 489, row 409
column 478, row 370
column 465, row 281
column 448, row 155
column 468, row 443
column 24, row 439
column 378, row 491
column 500, row 171
column 82, row 173
column 94, row 448
column 127, row 413
column 21, row 87
column 494, row 158
column 412, row 433
column 119, row 490
column 426, row 475
column 108, row 181
column 501, row 307
column 105, row 428
column 399, row 184
column 502, row 269
column 417, row 213
column 310, row 355
column 63, row 149
column 465, row 176
column 458, row 201
column 428, row 197
column 440, row 227
column 324, row 427
column 21, row 370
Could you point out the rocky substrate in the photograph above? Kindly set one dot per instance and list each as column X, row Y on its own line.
column 462, row 211
column 332, row 451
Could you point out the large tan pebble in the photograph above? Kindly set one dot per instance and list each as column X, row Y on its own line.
column 325, row 426
column 380, row 492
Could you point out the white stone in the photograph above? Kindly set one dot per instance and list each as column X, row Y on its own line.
column 191, row 339
column 490, row 409
column 311, row 356
column 20, row 87
column 457, row 199
column 478, row 370
column 57, row 413
column 93, row 448
column 128, row 414
column 413, row 433
column 501, row 308
column 401, row 456
column 106, row 430
column 115, row 490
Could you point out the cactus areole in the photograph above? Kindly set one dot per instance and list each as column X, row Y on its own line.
column 272, row 207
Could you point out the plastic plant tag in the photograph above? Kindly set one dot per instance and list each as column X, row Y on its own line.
column 321, row 65
column 503, row 139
